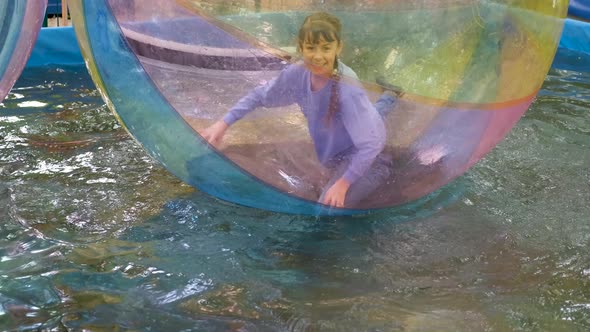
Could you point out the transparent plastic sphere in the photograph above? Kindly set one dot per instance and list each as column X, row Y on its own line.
column 20, row 22
column 399, row 98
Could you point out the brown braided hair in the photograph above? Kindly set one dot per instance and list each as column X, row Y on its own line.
column 322, row 25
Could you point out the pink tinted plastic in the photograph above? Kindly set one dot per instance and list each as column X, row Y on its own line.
column 22, row 24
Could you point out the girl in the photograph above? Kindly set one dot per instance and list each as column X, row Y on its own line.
column 347, row 131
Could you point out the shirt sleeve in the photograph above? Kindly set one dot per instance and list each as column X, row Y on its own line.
column 278, row 92
column 366, row 129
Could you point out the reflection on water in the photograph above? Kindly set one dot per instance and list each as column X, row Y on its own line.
column 97, row 236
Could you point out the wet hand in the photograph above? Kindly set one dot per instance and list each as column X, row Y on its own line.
column 214, row 133
column 336, row 194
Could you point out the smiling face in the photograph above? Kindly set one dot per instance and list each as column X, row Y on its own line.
column 320, row 43
column 320, row 56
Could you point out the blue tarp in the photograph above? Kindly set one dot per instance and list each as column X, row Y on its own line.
column 579, row 8
column 56, row 46
column 53, row 7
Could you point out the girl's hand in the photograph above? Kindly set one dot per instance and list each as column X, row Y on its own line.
column 336, row 195
column 214, row 133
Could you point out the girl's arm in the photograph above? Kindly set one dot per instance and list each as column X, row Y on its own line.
column 367, row 131
column 278, row 92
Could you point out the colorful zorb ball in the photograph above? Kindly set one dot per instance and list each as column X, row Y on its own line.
column 169, row 69
column 20, row 22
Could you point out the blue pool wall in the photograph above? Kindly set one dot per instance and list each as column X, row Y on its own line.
column 576, row 36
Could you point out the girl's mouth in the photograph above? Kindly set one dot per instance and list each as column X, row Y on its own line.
column 316, row 68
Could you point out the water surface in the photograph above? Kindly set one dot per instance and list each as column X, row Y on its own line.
column 97, row 236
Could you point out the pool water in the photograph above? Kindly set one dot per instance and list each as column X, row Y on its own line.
column 97, row 236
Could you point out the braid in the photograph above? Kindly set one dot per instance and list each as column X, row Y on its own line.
column 334, row 105
column 324, row 26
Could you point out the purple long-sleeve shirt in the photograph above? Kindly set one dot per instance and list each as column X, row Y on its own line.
column 356, row 132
